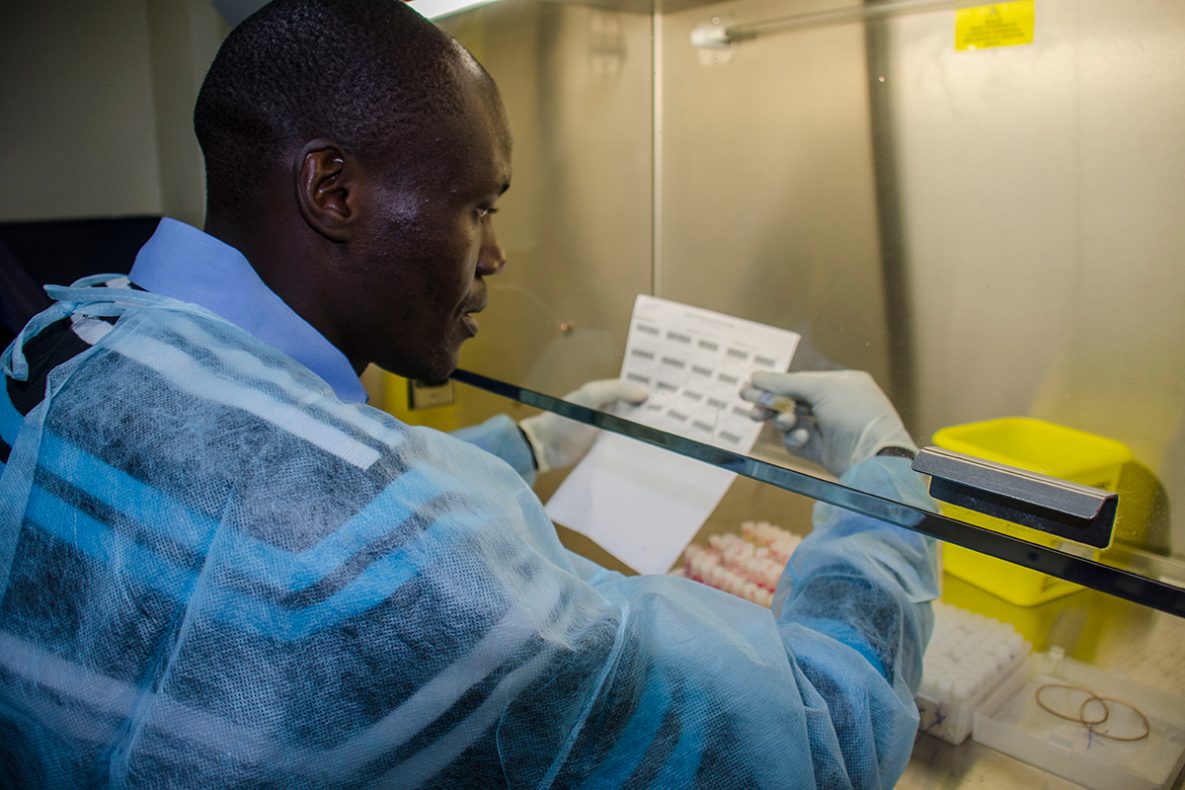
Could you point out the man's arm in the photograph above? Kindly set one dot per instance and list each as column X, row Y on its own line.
column 851, row 622
column 828, row 702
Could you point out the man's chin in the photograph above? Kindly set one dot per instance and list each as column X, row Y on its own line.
column 430, row 369
column 431, row 374
column 440, row 372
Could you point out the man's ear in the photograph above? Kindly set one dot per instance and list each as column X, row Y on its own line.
column 327, row 189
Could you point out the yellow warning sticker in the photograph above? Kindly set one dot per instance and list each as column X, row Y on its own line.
column 995, row 25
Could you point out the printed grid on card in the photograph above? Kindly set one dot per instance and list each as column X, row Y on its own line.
column 694, row 362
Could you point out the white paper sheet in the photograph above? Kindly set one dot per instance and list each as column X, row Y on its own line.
column 644, row 504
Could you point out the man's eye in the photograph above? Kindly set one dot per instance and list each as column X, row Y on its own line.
column 486, row 211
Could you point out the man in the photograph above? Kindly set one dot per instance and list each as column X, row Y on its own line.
column 219, row 568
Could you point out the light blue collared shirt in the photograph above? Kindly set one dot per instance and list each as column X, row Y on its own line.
column 187, row 264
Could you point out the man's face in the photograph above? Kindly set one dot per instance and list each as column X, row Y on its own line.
column 428, row 243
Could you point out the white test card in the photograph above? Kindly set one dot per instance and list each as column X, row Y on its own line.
column 694, row 362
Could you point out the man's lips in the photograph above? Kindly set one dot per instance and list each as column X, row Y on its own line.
column 467, row 316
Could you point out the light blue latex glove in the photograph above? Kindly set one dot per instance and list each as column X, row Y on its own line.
column 836, row 418
column 557, row 441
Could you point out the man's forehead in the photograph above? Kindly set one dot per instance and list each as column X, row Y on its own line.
column 481, row 88
column 469, row 151
column 485, row 110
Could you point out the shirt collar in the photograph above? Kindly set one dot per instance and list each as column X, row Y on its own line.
column 183, row 263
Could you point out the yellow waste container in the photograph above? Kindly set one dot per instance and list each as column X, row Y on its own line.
column 1038, row 446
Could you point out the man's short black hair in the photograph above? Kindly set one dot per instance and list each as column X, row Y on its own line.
column 363, row 73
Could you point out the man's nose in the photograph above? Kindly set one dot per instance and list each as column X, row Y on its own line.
column 492, row 258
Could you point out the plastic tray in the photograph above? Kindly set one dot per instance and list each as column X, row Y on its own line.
column 1013, row 723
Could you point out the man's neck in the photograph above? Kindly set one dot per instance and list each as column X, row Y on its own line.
column 287, row 256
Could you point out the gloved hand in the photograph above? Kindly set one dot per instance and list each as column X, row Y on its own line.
column 840, row 417
column 557, row 441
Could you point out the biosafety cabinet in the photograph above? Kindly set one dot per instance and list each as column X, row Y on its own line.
column 980, row 205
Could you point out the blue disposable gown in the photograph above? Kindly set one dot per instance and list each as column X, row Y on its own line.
column 217, row 574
